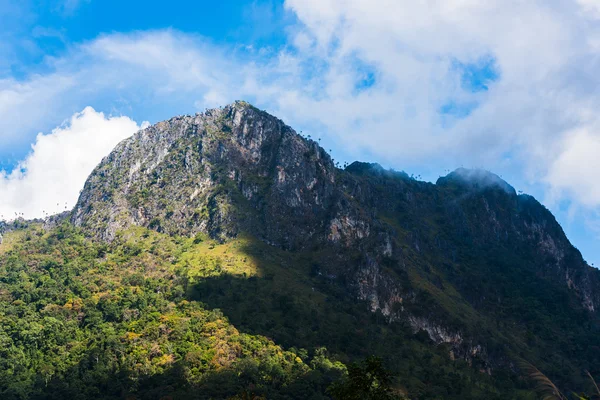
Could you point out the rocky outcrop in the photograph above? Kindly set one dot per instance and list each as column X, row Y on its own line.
column 226, row 170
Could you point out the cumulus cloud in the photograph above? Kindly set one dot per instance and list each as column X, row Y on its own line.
column 541, row 52
column 573, row 174
column 536, row 113
column 48, row 181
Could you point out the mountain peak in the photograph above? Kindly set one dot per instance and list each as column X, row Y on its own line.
column 200, row 173
column 475, row 179
column 237, row 169
column 237, row 105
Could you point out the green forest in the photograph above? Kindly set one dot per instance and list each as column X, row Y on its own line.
column 152, row 316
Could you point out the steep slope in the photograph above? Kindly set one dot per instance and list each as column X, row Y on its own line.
column 184, row 176
column 467, row 260
column 440, row 279
column 489, row 269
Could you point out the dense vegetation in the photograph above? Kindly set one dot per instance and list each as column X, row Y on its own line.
column 79, row 320
column 86, row 320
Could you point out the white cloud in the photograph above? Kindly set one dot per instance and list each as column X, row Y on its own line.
column 590, row 6
column 573, row 174
column 546, row 53
column 24, row 106
column 50, row 178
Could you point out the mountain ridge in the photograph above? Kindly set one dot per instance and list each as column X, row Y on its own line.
column 486, row 274
column 305, row 193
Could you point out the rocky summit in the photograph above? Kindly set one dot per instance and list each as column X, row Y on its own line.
column 452, row 285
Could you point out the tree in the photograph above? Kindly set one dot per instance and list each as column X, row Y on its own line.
column 368, row 380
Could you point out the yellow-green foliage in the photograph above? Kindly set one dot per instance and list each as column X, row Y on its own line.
column 9, row 240
column 79, row 319
column 205, row 258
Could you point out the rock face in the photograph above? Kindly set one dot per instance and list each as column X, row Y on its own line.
column 227, row 170
column 447, row 258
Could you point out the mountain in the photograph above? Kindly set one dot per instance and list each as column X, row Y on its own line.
column 223, row 253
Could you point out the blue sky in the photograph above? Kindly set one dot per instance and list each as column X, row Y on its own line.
column 424, row 87
column 34, row 32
